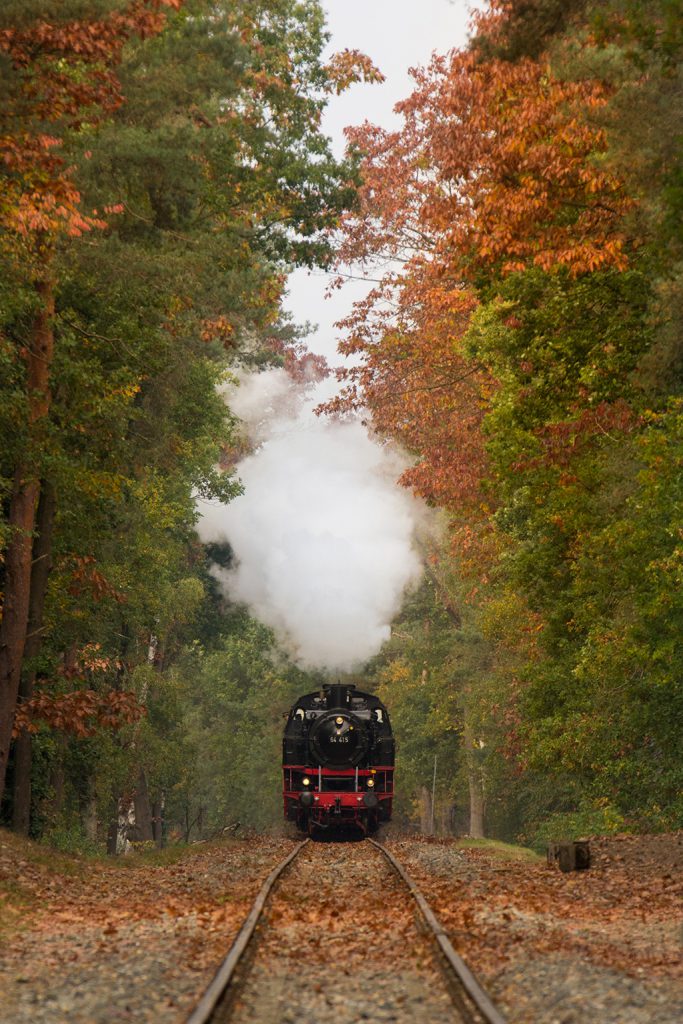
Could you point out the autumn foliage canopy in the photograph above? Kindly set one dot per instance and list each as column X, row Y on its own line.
column 508, row 341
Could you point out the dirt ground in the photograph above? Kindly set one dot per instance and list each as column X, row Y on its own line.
column 103, row 942
column 135, row 940
column 604, row 944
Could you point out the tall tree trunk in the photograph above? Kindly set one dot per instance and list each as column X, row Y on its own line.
column 22, row 517
column 117, row 834
column 476, row 802
column 446, row 815
column 425, row 811
column 475, row 775
column 54, row 802
column 158, row 809
column 90, row 818
column 42, row 564
column 143, row 809
column 125, row 827
column 112, row 837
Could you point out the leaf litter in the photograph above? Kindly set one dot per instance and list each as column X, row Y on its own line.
column 111, row 941
column 604, row 944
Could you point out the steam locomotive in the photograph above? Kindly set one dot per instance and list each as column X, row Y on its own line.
column 338, row 760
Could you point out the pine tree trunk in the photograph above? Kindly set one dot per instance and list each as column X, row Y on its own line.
column 21, row 797
column 143, row 810
column 56, row 781
column 476, row 802
column 22, row 516
column 475, row 777
column 42, row 564
column 158, row 821
column 425, row 811
column 90, row 818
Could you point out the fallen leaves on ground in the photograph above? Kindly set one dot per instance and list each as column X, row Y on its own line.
column 90, row 921
column 625, row 912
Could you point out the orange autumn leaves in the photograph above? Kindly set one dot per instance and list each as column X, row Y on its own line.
column 499, row 168
column 520, row 156
column 88, row 707
column 79, row 713
column 64, row 81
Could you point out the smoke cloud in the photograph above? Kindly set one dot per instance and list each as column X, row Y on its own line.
column 324, row 538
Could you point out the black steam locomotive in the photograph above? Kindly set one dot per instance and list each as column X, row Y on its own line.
column 338, row 760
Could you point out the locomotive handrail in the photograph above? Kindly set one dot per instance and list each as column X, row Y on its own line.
column 490, row 1013
column 214, row 993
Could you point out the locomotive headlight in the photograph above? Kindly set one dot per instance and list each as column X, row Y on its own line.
column 371, row 783
column 305, row 782
column 340, row 720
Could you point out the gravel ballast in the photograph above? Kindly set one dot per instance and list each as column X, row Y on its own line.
column 91, row 942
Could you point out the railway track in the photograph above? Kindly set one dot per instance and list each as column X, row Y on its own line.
column 333, row 935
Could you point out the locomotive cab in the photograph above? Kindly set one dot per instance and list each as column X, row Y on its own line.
column 338, row 760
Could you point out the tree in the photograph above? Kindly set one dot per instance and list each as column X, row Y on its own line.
column 193, row 131
column 61, row 81
column 518, row 227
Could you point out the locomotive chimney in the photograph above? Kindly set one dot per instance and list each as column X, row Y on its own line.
column 338, row 695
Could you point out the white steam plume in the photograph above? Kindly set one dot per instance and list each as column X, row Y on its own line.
column 323, row 536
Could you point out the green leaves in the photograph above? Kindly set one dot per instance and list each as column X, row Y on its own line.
column 189, row 134
column 540, row 169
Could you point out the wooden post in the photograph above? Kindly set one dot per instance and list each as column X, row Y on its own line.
column 570, row 856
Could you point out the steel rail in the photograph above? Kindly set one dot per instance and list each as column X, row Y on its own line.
column 466, row 980
column 216, row 990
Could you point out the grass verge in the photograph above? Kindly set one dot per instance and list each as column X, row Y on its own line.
column 505, row 851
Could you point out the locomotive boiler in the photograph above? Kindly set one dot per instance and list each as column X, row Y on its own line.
column 338, row 760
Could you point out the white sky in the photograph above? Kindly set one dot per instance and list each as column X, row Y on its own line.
column 397, row 35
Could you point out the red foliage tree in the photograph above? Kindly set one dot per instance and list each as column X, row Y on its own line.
column 496, row 169
column 61, row 78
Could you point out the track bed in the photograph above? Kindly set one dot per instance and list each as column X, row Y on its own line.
column 340, row 943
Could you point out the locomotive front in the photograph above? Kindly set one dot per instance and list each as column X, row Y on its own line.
column 338, row 760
